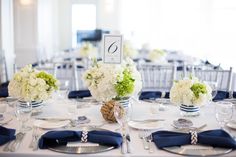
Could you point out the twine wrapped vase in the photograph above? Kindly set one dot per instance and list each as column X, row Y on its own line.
column 107, row 109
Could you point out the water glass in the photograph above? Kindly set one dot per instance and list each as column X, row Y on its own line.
column 3, row 109
column 63, row 89
column 223, row 112
column 23, row 113
column 214, row 88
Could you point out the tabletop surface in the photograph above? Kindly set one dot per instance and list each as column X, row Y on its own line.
column 141, row 110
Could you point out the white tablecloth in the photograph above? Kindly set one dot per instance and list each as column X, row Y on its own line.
column 142, row 110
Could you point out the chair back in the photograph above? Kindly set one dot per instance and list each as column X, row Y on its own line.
column 3, row 68
column 157, row 77
column 79, row 72
column 65, row 73
column 223, row 78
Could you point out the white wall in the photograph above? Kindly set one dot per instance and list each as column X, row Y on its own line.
column 64, row 24
column 48, row 42
column 25, row 27
column 108, row 14
column 0, row 26
column 6, row 36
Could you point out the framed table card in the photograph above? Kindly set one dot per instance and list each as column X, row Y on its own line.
column 112, row 49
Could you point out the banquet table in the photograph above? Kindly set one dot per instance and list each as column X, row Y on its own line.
column 140, row 110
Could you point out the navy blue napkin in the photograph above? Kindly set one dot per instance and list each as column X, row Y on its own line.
column 4, row 92
column 57, row 138
column 152, row 95
column 79, row 94
column 6, row 135
column 5, row 84
column 215, row 138
column 221, row 95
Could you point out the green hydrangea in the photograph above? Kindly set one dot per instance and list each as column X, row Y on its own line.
column 125, row 86
column 198, row 88
column 49, row 79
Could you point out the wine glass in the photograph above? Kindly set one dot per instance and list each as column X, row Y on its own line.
column 23, row 113
column 214, row 88
column 122, row 115
column 3, row 108
column 223, row 112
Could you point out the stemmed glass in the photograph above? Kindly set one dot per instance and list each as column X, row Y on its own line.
column 213, row 86
column 23, row 113
column 122, row 115
column 223, row 112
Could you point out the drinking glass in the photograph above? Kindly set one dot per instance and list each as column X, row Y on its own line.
column 223, row 112
column 3, row 109
column 23, row 113
column 63, row 89
column 214, row 88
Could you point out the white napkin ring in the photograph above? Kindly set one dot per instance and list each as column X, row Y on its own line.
column 193, row 137
column 84, row 137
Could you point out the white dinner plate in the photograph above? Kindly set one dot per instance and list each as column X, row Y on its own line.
column 146, row 125
column 231, row 124
column 53, row 124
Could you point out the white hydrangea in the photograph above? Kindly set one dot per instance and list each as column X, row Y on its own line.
column 102, row 78
column 181, row 93
column 157, row 55
column 128, row 50
column 27, row 87
column 88, row 50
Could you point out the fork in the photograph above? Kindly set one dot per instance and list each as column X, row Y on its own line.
column 15, row 145
column 142, row 135
column 149, row 139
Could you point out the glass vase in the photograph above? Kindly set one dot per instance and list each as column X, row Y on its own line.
column 189, row 111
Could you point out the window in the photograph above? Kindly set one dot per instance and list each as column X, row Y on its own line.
column 83, row 18
column 200, row 28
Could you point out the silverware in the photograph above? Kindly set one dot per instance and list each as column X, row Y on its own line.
column 8, row 146
column 52, row 118
column 35, row 145
column 190, row 128
column 34, row 135
column 15, row 145
column 128, row 140
column 142, row 135
column 149, row 139
column 123, row 150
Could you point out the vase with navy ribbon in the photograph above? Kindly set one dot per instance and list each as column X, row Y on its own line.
column 189, row 111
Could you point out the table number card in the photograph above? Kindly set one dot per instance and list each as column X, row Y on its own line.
column 112, row 49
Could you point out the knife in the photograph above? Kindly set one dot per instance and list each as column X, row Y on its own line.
column 52, row 118
column 148, row 120
column 123, row 150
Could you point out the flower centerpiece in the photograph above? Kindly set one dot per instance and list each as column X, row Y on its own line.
column 190, row 93
column 128, row 50
column 118, row 82
column 30, row 85
column 157, row 55
column 87, row 50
